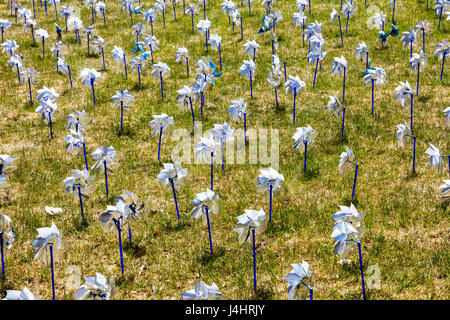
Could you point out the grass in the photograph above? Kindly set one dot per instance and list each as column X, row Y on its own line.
column 407, row 224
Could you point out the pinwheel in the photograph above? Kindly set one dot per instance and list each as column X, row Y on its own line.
column 447, row 115
column 31, row 76
column 119, row 55
column 152, row 43
column 222, row 133
column 159, row 124
column 10, row 46
column 294, row 85
column 248, row 70
column 17, row 7
column 439, row 7
column 88, row 76
column 274, row 78
column 268, row 24
column 375, row 76
column 149, row 16
column 192, row 9
column 206, row 148
column 6, row 234
column 301, row 5
column 16, row 61
column 300, row 275
column 445, row 190
column 255, row 222
column 128, row 5
column 238, row 109
column 160, row 69
column 64, row 68
column 442, row 50
column 199, row 88
column 408, row 39
column 249, row 6
column 405, row 93
column 46, row 110
column 206, row 205
column 25, row 294
column 139, row 28
column 172, row 174
column 58, row 49
column 138, row 63
column 305, row 135
column 335, row 14
column 203, row 292
column 135, row 205
column 392, row 3
column 6, row 163
column 160, row 6
column 77, row 120
column 105, row 156
column 271, row 181
column 4, row 24
column 426, row 29
column 347, row 11
column 300, row 20
column 99, row 43
column 51, row 238
column 65, row 11
column 416, row 61
column 404, row 132
column 87, row 32
column 250, row 48
column 125, row 100
column 379, row 20
column 76, row 25
column 184, row 98
column 4, row 185
column 346, row 158
column 228, row 7
column 268, row 4
column 30, row 24
column 54, row 3
column 97, row 286
column 316, row 55
column 46, row 94
column 80, row 184
column 215, row 42
column 44, row 35
column 73, row 143
column 436, row 158
column 182, row 55
column 337, row 65
column 100, row 8
column 25, row 14
column 203, row 28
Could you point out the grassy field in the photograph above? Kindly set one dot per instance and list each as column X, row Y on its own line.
column 407, row 224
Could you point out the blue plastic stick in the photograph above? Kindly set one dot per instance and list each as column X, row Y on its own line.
column 361, row 268
column 221, row 147
column 104, row 18
column 443, row 60
column 418, row 75
column 159, row 144
column 93, row 91
column 343, row 121
column 192, row 21
column 343, row 86
column 412, row 99
column 192, row 111
column 81, row 202
column 295, row 97
column 117, row 222
column 346, row 25
column 103, row 57
column 245, row 126
column 121, row 115
column 43, row 47
column 53, row 273
column 29, row 90
column 209, row 229
column 373, row 87
column 50, row 122
column 204, row 10
column 356, row 175
column 187, row 66
column 162, row 87
column 175, row 197
column 285, row 76
column 414, row 152
column 88, row 42
column 242, row 30
column 270, row 203
column 3, row 261
column 393, row 13
column 340, row 30
column 70, row 76
column 276, row 95
column 440, row 16
column 212, row 169
column 125, row 65
column 220, row 56
column 315, row 73
column 106, row 177
column 251, row 86
column 129, row 234
column 306, row 150
column 254, row 259
column 85, row 156
column 139, row 75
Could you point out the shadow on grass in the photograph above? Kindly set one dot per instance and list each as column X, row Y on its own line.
column 348, row 201
column 176, row 225
column 310, row 173
column 411, row 175
column 206, row 257
column 263, row 292
column 124, row 279
column 134, row 249
column 6, row 284
column 80, row 225
column 280, row 108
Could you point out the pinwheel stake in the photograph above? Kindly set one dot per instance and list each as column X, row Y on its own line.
column 104, row 18
column 93, row 91
column 192, row 21
column 360, row 267
column 209, row 228
column 29, row 90
column 373, row 88
column 393, row 12
column 285, row 76
column 192, row 111
column 106, row 180
column 162, row 87
column 187, row 63
column 343, row 86
column 356, row 175
column 125, row 66
column 251, row 86
column 414, row 152
column 276, row 95
column 270, row 202
column 1, row 249
column 53, row 273
column 220, row 59
column 412, row 99
column 343, row 120
column 50, row 123
column 443, row 60
column 254, row 258
column 340, row 30
column 85, row 158
column 175, row 197
column 212, row 169
column 245, row 126
column 81, row 203
column 315, row 73
column 306, row 149
column 159, row 144
column 139, row 75
column 70, row 76
column 43, row 48
column 440, row 16
column 117, row 223
column 204, row 10
column 295, row 97
column 418, row 75
column 103, row 58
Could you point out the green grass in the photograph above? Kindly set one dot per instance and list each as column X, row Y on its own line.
column 407, row 224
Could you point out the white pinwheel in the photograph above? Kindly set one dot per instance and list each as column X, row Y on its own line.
column 404, row 92
column 445, row 188
column 96, row 286
column 345, row 157
column 379, row 20
column 361, row 49
column 238, row 109
column 6, row 233
column 269, row 178
column 88, row 76
column 305, row 135
column 205, row 202
column 203, row 292
column 338, row 64
column 104, row 155
column 434, row 154
column 418, row 60
column 203, row 26
column 10, row 46
column 174, row 172
column 124, row 99
column 251, row 219
column 403, row 134
column 377, row 75
column 25, row 294
column 46, row 109
column 222, row 133
column 4, row 24
column 250, row 48
column 447, row 115
column 6, row 163
column 77, row 120
column 80, row 184
column 74, row 141
column 47, row 236
column 298, row 280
